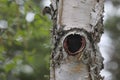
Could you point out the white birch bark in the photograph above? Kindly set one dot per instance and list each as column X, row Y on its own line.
column 77, row 24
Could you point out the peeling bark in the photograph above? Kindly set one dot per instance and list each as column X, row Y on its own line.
column 77, row 29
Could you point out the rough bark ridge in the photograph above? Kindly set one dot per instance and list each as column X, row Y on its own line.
column 77, row 28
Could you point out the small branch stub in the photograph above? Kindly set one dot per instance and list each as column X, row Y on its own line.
column 74, row 44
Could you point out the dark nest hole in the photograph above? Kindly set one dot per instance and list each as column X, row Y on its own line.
column 74, row 43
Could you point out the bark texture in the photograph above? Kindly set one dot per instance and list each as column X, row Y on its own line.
column 77, row 29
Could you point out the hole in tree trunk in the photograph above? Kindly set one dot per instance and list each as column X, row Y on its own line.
column 73, row 44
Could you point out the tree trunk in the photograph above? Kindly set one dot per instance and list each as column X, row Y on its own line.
column 77, row 28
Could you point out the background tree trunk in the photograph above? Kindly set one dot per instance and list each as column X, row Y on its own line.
column 77, row 28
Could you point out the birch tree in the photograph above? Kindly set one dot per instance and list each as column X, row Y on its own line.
column 77, row 29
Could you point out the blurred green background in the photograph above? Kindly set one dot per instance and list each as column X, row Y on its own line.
column 25, row 40
column 112, row 28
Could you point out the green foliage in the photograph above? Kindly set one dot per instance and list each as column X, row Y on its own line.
column 116, row 3
column 24, row 45
column 113, row 26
